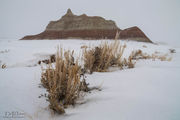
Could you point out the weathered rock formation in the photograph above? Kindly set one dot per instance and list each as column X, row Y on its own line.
column 134, row 33
column 86, row 27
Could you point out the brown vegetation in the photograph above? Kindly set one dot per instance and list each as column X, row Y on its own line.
column 137, row 55
column 3, row 66
column 127, row 63
column 105, row 55
column 62, row 81
column 51, row 59
column 172, row 50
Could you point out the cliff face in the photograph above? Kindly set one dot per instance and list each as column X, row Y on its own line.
column 70, row 22
column 85, row 27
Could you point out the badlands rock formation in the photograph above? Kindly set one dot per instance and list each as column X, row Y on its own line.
column 86, row 27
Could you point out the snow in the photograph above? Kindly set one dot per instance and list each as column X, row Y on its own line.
column 150, row 91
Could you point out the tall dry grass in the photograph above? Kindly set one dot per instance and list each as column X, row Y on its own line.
column 62, row 81
column 102, row 57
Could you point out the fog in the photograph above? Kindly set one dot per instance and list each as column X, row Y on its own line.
column 159, row 19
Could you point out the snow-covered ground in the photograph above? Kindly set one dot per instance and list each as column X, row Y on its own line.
column 150, row 91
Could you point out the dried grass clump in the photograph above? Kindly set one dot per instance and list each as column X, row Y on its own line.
column 3, row 66
column 100, row 58
column 172, row 50
column 129, row 63
column 51, row 59
column 164, row 57
column 62, row 81
column 137, row 55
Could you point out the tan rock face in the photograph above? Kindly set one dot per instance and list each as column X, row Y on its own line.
column 73, row 22
column 86, row 27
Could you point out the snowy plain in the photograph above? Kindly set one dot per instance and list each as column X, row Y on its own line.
column 150, row 91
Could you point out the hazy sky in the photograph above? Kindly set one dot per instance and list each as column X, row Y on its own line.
column 159, row 19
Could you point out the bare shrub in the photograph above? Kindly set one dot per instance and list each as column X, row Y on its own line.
column 172, row 50
column 100, row 58
column 3, row 66
column 62, row 81
column 138, row 54
column 106, row 55
column 164, row 57
column 51, row 59
column 127, row 63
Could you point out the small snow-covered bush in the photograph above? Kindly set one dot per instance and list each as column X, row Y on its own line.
column 62, row 81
